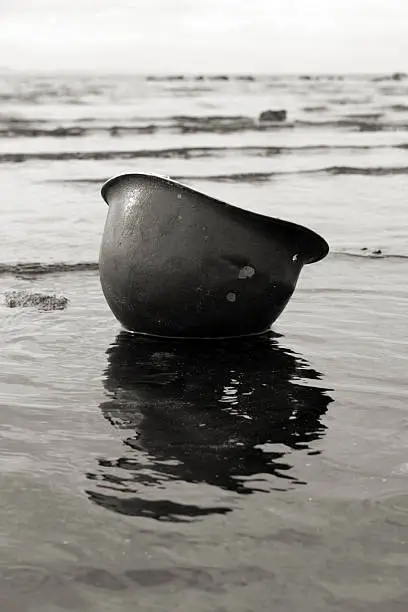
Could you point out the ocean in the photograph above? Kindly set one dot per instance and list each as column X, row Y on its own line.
column 250, row 476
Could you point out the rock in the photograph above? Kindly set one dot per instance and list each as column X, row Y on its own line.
column 372, row 251
column 42, row 301
column 273, row 115
column 397, row 76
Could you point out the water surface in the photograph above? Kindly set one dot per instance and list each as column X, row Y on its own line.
column 243, row 476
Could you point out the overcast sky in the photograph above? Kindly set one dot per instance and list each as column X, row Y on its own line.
column 150, row 36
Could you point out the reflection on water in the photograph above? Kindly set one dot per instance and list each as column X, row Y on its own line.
column 195, row 414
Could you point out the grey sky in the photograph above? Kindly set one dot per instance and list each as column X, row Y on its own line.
column 262, row 36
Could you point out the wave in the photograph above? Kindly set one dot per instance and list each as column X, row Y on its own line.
column 236, row 177
column 199, row 77
column 185, row 124
column 69, row 155
column 256, row 177
column 17, row 120
column 31, row 132
column 188, row 152
column 354, row 125
column 399, row 108
column 369, row 171
column 32, row 270
column 16, row 131
column 315, row 109
column 349, row 101
column 364, row 116
column 204, row 77
column 366, row 253
column 208, row 118
column 261, row 177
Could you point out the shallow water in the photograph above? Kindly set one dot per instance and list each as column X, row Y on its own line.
column 231, row 476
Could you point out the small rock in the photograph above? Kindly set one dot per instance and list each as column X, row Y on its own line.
column 273, row 115
column 398, row 76
column 377, row 252
column 42, row 301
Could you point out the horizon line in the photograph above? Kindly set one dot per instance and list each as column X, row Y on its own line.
column 79, row 70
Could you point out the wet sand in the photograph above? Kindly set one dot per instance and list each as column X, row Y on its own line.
column 245, row 476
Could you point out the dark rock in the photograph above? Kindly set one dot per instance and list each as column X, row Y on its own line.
column 273, row 115
column 377, row 252
column 397, row 76
column 42, row 301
